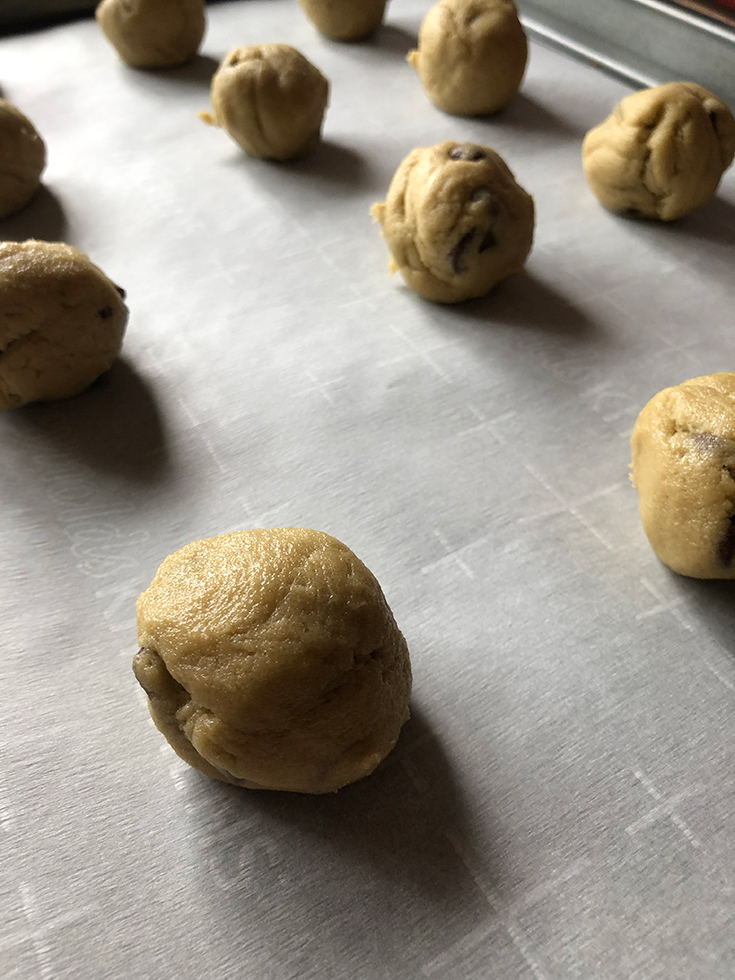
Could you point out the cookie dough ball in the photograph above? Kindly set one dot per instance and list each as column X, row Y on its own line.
column 61, row 322
column 271, row 660
column 270, row 99
column 471, row 55
column 345, row 20
column 662, row 152
column 22, row 159
column 683, row 447
column 455, row 221
column 153, row 33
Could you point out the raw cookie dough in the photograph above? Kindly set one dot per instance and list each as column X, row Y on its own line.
column 471, row 55
column 153, row 33
column 683, row 447
column 662, row 152
column 271, row 660
column 22, row 159
column 61, row 322
column 345, row 20
column 455, row 221
column 270, row 99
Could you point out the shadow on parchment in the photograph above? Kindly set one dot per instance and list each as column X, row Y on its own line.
column 386, row 37
column 524, row 300
column 331, row 162
column 392, row 38
column 328, row 165
column 114, row 426
column 199, row 71
column 713, row 603
column 704, row 239
column 43, row 218
column 525, row 113
column 714, row 222
column 374, row 865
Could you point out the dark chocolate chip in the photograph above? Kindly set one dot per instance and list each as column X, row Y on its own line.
column 139, row 661
column 456, row 256
column 489, row 241
column 466, row 151
column 105, row 312
column 713, row 120
column 726, row 547
column 708, row 441
column 120, row 290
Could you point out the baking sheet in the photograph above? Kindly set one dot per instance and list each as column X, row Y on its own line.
column 561, row 804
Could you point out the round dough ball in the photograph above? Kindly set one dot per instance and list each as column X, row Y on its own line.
column 271, row 660
column 345, row 20
column 153, row 33
column 22, row 159
column 61, row 322
column 683, row 447
column 471, row 55
column 270, row 99
column 662, row 152
column 455, row 221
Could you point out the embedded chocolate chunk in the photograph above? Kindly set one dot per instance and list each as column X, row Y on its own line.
column 466, row 151
column 726, row 547
column 456, row 256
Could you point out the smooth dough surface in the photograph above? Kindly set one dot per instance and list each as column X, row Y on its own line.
column 271, row 660
column 22, row 159
column 345, row 20
column 153, row 33
column 471, row 55
column 61, row 322
column 456, row 222
column 662, row 151
column 270, row 99
column 683, row 448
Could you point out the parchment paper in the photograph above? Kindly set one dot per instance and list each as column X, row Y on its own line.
column 561, row 804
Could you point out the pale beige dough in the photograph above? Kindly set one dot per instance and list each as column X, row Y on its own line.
column 456, row 222
column 683, row 447
column 662, row 151
column 22, row 159
column 271, row 660
column 471, row 56
column 153, row 33
column 61, row 322
column 345, row 20
column 270, row 99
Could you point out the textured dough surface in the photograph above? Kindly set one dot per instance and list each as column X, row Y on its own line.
column 270, row 99
column 22, row 159
column 271, row 660
column 471, row 55
column 662, row 152
column 153, row 33
column 456, row 222
column 683, row 448
column 345, row 20
column 61, row 322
